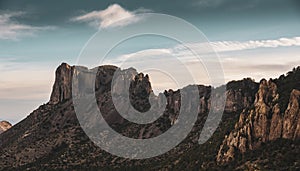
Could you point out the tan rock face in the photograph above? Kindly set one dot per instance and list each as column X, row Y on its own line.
column 264, row 122
column 276, row 124
column 265, row 98
column 291, row 124
column 4, row 126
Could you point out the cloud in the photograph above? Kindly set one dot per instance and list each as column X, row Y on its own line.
column 10, row 29
column 144, row 53
column 233, row 5
column 223, row 46
column 229, row 46
column 209, row 3
column 113, row 16
column 183, row 52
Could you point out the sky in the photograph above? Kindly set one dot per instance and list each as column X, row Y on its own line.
column 255, row 38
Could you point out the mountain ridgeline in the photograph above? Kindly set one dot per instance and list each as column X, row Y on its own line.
column 260, row 128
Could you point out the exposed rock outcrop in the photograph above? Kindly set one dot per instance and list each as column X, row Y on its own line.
column 240, row 95
column 4, row 125
column 62, row 88
column 262, row 123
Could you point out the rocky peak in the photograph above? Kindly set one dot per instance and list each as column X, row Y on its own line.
column 240, row 94
column 267, row 93
column 141, row 85
column 4, row 125
column 62, row 88
column 140, row 90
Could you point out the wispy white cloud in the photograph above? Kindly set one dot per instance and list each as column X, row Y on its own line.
column 209, row 3
column 223, row 46
column 183, row 51
column 235, row 5
column 10, row 29
column 227, row 46
column 145, row 53
column 113, row 16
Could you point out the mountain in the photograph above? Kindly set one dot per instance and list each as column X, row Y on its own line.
column 259, row 129
column 4, row 125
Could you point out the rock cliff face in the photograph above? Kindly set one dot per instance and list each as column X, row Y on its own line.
column 4, row 125
column 262, row 122
column 62, row 88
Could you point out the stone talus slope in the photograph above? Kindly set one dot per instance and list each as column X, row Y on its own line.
column 263, row 122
